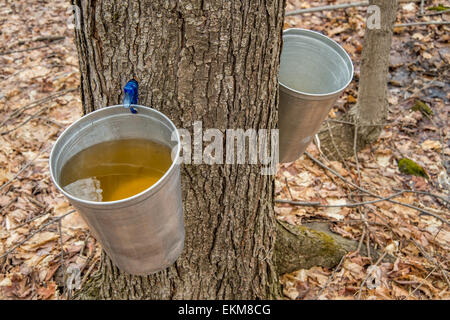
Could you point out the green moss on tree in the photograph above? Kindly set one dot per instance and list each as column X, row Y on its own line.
column 422, row 107
column 440, row 7
column 407, row 166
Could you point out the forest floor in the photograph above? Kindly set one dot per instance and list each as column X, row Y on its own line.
column 43, row 241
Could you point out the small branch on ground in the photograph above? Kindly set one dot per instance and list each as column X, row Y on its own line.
column 422, row 23
column 417, row 288
column 422, row 211
column 40, row 39
column 361, row 240
column 24, row 168
column 331, row 277
column 32, row 219
column 328, row 8
column 36, row 103
column 35, row 115
column 61, row 243
column 425, row 193
column 347, row 205
column 50, row 39
column 432, row 261
column 14, row 247
column 335, row 7
column 369, row 274
column 9, row 203
column 434, row 13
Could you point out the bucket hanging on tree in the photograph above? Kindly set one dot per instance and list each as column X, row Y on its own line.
column 143, row 233
column 314, row 70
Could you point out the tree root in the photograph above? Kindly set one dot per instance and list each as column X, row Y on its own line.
column 303, row 247
column 296, row 247
column 91, row 289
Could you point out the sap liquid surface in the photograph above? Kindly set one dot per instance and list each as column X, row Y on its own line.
column 115, row 170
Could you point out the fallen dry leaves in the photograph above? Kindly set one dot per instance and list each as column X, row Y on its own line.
column 39, row 98
column 419, row 244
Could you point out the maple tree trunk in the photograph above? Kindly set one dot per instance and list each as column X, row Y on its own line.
column 371, row 110
column 372, row 106
column 215, row 62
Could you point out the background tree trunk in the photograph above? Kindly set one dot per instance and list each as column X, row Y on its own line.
column 215, row 62
column 371, row 109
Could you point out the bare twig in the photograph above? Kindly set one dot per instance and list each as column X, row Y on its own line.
column 424, row 192
column 422, row 211
column 289, row 189
column 327, row 8
column 355, row 143
column 422, row 2
column 417, row 288
column 434, row 13
column 417, row 92
column 23, row 50
column 368, row 240
column 330, row 279
column 361, row 240
column 36, row 103
column 359, row 125
column 49, row 38
column 334, row 7
column 35, row 115
column 421, row 23
column 35, row 232
column 430, row 259
column 370, row 273
column 32, row 219
column 32, row 48
column 347, row 205
column 36, row 202
column 341, row 121
column 24, row 168
column 88, row 272
column 9, row 203
column 61, row 243
column 41, row 38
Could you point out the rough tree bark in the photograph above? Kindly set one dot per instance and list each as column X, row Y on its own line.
column 216, row 62
column 371, row 110
column 210, row 61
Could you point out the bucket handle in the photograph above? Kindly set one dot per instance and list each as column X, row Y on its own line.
column 131, row 95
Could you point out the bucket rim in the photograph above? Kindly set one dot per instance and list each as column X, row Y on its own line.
column 128, row 199
column 333, row 45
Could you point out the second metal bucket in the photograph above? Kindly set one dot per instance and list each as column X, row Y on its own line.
column 314, row 70
column 144, row 233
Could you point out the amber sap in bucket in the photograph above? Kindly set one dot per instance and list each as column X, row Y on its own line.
column 142, row 233
column 115, row 170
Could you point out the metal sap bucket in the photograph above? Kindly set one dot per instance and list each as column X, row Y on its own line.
column 144, row 233
column 314, row 70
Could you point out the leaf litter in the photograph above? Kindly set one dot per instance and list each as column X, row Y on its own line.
column 39, row 97
column 417, row 129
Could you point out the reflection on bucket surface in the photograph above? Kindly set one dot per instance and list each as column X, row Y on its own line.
column 144, row 233
column 115, row 170
column 314, row 70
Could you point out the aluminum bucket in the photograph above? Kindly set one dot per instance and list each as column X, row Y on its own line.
column 144, row 233
column 314, row 70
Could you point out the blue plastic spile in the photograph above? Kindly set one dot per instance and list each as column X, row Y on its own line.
column 131, row 95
